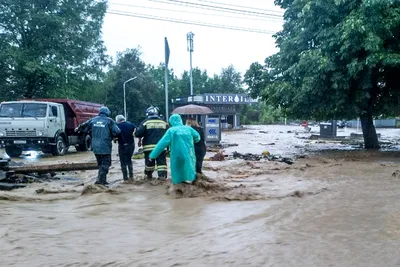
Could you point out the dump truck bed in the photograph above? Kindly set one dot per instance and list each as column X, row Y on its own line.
column 76, row 111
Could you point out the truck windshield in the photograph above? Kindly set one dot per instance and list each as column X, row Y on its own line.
column 23, row 110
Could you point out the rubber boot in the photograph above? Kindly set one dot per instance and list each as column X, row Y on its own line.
column 162, row 175
column 130, row 171
column 124, row 174
column 149, row 175
column 103, row 179
column 98, row 180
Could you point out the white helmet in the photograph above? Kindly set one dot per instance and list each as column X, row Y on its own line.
column 152, row 111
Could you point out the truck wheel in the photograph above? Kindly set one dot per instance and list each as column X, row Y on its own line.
column 46, row 150
column 14, row 151
column 60, row 148
column 87, row 144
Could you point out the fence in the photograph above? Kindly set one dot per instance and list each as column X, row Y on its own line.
column 380, row 123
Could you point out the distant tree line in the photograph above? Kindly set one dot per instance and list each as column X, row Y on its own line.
column 54, row 49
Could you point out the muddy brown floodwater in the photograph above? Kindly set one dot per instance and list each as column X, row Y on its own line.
column 335, row 207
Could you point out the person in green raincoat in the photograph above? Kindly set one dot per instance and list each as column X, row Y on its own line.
column 181, row 139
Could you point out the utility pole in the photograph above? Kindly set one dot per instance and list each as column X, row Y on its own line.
column 167, row 52
column 131, row 79
column 189, row 37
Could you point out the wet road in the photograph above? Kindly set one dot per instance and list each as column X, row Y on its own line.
column 345, row 213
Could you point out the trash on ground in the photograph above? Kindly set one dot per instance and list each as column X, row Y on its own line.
column 266, row 153
column 267, row 144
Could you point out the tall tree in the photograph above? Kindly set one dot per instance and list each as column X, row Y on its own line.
column 140, row 92
column 337, row 59
column 230, row 81
column 50, row 47
column 256, row 78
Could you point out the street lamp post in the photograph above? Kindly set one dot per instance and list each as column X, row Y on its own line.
column 131, row 79
column 189, row 37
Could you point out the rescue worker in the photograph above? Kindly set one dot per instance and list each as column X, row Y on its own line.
column 150, row 131
column 181, row 138
column 126, row 146
column 103, row 130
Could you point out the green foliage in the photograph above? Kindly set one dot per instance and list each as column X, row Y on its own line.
column 140, row 93
column 337, row 59
column 50, row 47
column 229, row 81
column 261, row 114
column 256, row 78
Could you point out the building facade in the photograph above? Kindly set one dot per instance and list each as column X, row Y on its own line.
column 226, row 108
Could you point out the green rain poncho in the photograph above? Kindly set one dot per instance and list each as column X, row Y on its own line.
column 181, row 140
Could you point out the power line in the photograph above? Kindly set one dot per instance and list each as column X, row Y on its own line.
column 197, row 23
column 198, row 13
column 216, row 8
column 231, row 5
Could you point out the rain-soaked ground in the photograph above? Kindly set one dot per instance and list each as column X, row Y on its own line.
column 335, row 206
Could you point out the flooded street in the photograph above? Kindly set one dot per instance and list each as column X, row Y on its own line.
column 338, row 207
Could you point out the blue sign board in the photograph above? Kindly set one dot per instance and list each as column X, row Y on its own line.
column 213, row 130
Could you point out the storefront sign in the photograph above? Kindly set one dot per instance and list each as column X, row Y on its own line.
column 231, row 109
column 227, row 99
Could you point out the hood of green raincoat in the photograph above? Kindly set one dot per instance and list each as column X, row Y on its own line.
column 175, row 120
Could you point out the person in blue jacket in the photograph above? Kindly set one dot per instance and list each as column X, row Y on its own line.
column 126, row 146
column 103, row 129
column 181, row 139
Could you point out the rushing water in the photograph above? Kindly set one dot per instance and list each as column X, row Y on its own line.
column 345, row 212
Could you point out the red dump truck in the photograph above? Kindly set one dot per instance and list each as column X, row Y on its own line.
column 45, row 125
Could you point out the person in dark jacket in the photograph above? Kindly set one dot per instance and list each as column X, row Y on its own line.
column 103, row 130
column 126, row 146
column 150, row 131
column 199, row 147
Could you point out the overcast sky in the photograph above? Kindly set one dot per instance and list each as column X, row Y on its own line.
column 214, row 48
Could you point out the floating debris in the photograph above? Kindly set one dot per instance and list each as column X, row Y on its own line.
column 396, row 174
column 218, row 157
column 254, row 157
column 218, row 147
column 8, row 186
column 16, row 173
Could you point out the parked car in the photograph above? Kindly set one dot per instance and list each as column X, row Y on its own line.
column 341, row 124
